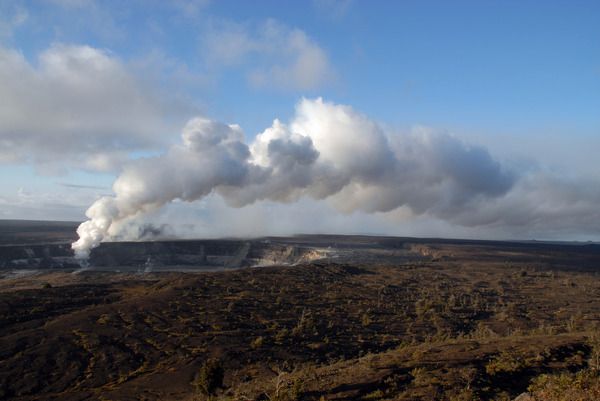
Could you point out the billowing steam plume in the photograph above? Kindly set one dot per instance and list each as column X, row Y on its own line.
column 327, row 151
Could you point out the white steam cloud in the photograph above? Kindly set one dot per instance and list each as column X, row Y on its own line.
column 327, row 151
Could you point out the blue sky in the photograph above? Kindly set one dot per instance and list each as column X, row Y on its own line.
column 521, row 78
column 497, row 65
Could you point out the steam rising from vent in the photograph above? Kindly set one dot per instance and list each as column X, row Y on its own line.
column 328, row 151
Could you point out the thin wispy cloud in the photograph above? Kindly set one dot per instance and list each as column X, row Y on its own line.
column 79, row 186
column 333, row 9
column 11, row 18
column 272, row 54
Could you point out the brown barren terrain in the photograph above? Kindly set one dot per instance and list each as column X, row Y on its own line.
column 458, row 321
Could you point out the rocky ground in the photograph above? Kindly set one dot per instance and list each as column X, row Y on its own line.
column 462, row 321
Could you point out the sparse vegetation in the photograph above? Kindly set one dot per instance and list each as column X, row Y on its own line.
column 209, row 378
column 583, row 385
column 505, row 362
column 465, row 327
column 257, row 342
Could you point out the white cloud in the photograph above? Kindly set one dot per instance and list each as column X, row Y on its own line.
column 541, row 205
column 73, row 3
column 77, row 105
column 190, row 8
column 37, row 204
column 333, row 9
column 11, row 18
column 274, row 55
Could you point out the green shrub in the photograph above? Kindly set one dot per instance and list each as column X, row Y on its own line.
column 257, row 342
column 504, row 363
column 366, row 320
column 282, row 335
column 210, row 377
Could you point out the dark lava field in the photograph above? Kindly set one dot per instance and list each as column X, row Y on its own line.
column 297, row 318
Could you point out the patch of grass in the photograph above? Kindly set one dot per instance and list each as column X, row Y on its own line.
column 505, row 362
column 583, row 385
